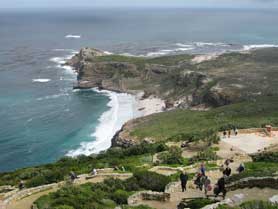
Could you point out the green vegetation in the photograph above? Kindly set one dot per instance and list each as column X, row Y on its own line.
column 173, row 156
column 107, row 194
column 55, row 172
column 252, row 205
column 256, row 169
column 207, row 155
column 197, row 203
column 190, row 125
column 266, row 157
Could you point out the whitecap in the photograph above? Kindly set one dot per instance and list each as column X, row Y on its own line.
column 73, row 36
column 41, row 80
column 258, row 46
column 121, row 109
column 55, row 96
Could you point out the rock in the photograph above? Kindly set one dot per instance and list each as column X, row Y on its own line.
column 274, row 199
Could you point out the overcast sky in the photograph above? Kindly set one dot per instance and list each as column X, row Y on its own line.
column 137, row 3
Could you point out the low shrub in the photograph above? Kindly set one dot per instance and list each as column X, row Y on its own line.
column 173, row 156
column 197, row 203
column 151, row 181
column 206, row 155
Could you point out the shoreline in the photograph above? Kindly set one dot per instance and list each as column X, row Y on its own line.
column 123, row 107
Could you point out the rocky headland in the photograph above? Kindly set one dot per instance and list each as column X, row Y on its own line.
column 196, row 82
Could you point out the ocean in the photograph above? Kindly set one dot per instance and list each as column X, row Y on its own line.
column 42, row 118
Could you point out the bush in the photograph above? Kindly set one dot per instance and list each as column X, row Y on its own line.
column 265, row 157
column 173, row 156
column 63, row 207
column 197, row 203
column 206, row 155
column 120, row 197
column 151, row 181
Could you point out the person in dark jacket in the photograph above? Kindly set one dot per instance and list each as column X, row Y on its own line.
column 183, row 178
column 227, row 172
column 220, row 187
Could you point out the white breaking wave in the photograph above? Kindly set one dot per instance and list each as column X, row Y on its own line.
column 258, row 46
column 73, row 36
column 121, row 109
column 55, row 96
column 61, row 61
column 41, row 80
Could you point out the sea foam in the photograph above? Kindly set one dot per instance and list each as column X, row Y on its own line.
column 258, row 46
column 73, row 36
column 121, row 109
column 41, row 80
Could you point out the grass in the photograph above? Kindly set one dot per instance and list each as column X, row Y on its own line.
column 183, row 124
column 256, row 169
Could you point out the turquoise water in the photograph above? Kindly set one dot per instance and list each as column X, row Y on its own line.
column 42, row 120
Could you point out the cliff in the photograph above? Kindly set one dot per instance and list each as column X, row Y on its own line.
column 181, row 80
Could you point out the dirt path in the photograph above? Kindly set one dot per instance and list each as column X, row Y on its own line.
column 252, row 142
column 26, row 202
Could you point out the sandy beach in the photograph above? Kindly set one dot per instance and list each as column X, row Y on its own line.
column 149, row 105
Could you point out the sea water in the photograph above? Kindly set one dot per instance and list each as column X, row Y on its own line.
column 42, row 118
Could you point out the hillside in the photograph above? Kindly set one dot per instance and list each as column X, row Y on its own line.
column 141, row 170
column 181, row 80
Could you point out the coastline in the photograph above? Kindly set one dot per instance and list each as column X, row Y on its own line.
column 123, row 107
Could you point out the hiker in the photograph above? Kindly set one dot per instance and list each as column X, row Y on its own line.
column 220, row 187
column 224, row 134
column 207, row 185
column 72, row 176
column 227, row 172
column 227, row 162
column 94, row 172
column 199, row 181
column 21, row 185
column 241, row 168
column 203, row 169
column 183, row 178
column 229, row 133
column 235, row 131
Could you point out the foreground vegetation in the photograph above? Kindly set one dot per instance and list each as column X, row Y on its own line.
column 252, row 205
column 109, row 194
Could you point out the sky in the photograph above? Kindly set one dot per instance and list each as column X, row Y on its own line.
column 138, row 3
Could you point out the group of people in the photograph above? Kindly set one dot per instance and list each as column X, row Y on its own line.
column 203, row 182
column 227, row 133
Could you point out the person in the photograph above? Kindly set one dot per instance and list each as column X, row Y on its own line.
column 207, row 185
column 220, row 187
column 198, row 181
column 236, row 131
column 72, row 176
column 227, row 162
column 227, row 172
column 94, row 172
column 203, row 169
column 183, row 179
column 229, row 133
column 224, row 134
column 21, row 185
column 241, row 168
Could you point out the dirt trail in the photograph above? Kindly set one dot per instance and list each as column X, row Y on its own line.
column 26, row 202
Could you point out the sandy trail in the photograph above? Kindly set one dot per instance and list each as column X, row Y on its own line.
column 253, row 142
